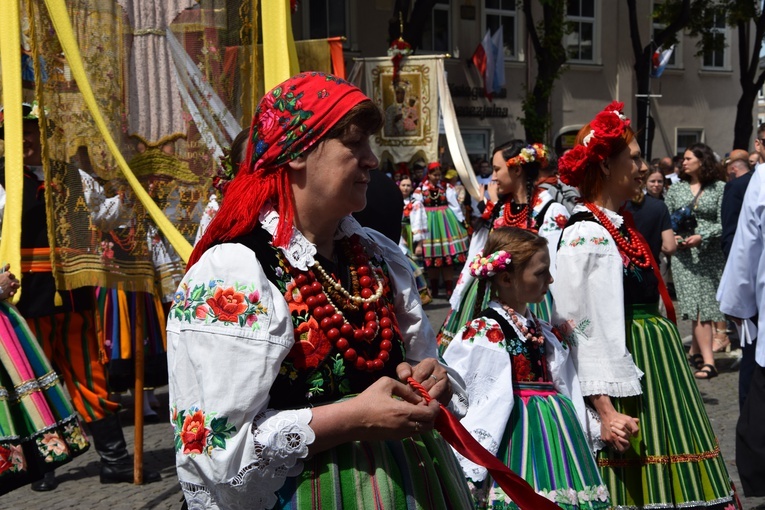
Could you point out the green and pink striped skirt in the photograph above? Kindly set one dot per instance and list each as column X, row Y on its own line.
column 417, row 473
column 545, row 444
column 447, row 241
column 39, row 429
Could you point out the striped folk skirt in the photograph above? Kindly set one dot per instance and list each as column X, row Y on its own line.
column 447, row 241
column 417, row 473
column 39, row 430
column 545, row 444
column 125, row 320
column 675, row 461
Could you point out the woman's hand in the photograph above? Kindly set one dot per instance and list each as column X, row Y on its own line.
column 8, row 283
column 616, row 430
column 376, row 414
column 493, row 190
column 418, row 249
column 431, row 375
column 692, row 241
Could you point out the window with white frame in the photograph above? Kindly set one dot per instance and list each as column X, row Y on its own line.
column 502, row 14
column 326, row 18
column 581, row 41
column 717, row 58
column 437, row 33
column 685, row 137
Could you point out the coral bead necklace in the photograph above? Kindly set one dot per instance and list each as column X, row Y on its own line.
column 634, row 248
column 316, row 285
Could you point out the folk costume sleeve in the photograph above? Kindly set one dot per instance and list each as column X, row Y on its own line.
column 589, row 303
column 228, row 332
column 105, row 213
column 416, row 331
column 454, row 204
column 552, row 225
column 418, row 217
column 477, row 353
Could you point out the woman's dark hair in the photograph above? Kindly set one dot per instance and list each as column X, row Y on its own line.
column 530, row 170
column 522, row 245
column 239, row 147
column 710, row 170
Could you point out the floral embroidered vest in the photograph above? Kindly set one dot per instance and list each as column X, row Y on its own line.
column 640, row 285
column 433, row 196
column 528, row 359
column 314, row 371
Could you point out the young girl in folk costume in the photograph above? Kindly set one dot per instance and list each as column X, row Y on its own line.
column 525, row 403
column 661, row 450
column 515, row 201
column 39, row 429
column 440, row 223
column 408, row 241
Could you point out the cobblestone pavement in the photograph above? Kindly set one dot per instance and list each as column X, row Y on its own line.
column 80, row 488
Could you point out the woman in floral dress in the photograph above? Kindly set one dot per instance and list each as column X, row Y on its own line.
column 660, row 449
column 699, row 261
column 525, row 403
column 294, row 327
column 514, row 201
column 39, row 429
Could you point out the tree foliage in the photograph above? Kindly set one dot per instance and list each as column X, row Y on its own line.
column 547, row 40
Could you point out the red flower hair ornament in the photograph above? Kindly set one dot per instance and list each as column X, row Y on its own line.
column 290, row 119
column 605, row 131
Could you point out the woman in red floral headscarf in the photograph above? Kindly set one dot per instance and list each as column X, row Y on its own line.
column 294, row 327
column 659, row 447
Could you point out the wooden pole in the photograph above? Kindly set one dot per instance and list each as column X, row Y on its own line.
column 138, row 404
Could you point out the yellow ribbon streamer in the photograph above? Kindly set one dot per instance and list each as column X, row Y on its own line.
column 10, row 50
column 278, row 42
column 63, row 26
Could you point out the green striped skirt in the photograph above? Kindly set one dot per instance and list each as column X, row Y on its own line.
column 447, row 241
column 675, row 461
column 545, row 444
column 419, row 473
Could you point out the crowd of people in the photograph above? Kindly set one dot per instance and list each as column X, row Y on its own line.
column 303, row 370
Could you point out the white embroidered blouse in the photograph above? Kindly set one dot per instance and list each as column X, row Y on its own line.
column 589, row 306
column 487, row 369
column 228, row 333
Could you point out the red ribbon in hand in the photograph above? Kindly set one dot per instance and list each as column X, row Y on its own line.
column 460, row 439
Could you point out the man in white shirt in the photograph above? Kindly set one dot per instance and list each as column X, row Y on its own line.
column 741, row 297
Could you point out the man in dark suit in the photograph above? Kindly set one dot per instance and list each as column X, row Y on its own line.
column 739, row 175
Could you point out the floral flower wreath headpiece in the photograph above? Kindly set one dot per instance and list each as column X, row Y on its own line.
column 486, row 267
column 605, row 131
column 536, row 152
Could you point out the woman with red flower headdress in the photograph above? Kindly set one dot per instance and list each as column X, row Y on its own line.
column 659, row 447
column 515, row 200
column 440, row 223
column 525, row 403
column 294, row 327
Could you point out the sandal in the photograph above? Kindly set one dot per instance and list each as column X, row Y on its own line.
column 708, row 372
column 696, row 360
column 721, row 342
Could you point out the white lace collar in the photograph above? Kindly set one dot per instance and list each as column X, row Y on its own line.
column 615, row 217
column 300, row 252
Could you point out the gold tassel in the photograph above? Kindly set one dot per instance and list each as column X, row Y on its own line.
column 57, row 299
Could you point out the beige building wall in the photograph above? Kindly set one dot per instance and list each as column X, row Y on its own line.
column 695, row 101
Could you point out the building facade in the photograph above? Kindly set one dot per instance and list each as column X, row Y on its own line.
column 697, row 94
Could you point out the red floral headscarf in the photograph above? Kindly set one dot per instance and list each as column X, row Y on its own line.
column 288, row 121
column 607, row 128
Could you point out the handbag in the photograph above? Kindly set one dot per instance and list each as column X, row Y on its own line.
column 684, row 220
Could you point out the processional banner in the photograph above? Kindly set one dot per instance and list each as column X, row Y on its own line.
column 410, row 107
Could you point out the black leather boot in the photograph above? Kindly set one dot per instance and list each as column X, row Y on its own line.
column 48, row 483
column 116, row 463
